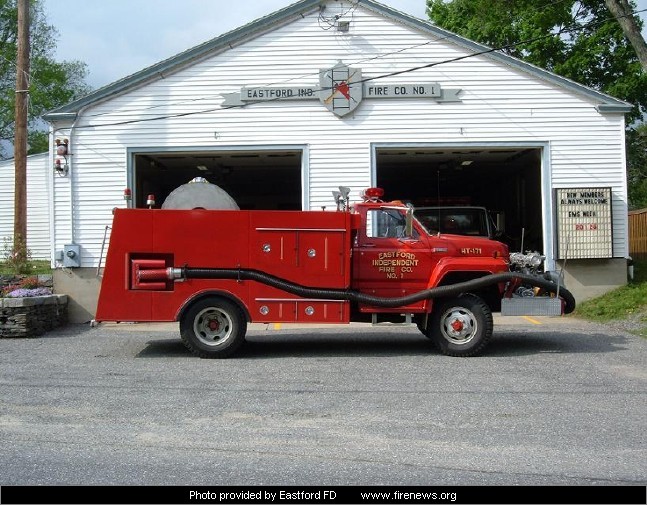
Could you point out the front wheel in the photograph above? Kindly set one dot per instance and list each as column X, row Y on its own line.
column 213, row 328
column 461, row 326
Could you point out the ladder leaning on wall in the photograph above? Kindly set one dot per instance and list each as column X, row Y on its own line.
column 103, row 246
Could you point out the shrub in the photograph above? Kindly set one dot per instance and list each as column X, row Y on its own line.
column 17, row 256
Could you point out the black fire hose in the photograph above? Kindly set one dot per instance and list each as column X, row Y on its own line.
column 376, row 301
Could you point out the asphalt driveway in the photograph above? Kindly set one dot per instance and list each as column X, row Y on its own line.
column 553, row 401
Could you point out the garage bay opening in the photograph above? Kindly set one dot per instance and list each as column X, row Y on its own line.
column 256, row 179
column 505, row 180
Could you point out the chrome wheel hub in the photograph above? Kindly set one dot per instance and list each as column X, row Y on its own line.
column 212, row 326
column 458, row 325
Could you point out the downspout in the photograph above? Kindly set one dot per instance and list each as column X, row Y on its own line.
column 71, row 171
column 50, row 198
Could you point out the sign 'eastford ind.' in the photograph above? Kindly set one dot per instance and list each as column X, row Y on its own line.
column 341, row 89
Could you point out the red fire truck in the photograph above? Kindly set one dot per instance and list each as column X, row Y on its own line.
column 216, row 270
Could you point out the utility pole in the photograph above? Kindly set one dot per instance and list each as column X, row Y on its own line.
column 20, row 136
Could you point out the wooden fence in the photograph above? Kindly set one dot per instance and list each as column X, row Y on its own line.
column 638, row 233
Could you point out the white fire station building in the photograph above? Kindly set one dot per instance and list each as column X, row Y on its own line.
column 39, row 178
column 323, row 93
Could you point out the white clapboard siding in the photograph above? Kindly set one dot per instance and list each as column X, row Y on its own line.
column 38, row 182
column 499, row 103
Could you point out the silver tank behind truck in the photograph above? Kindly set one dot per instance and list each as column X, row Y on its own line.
column 199, row 194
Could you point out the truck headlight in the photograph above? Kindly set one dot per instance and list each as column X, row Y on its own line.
column 535, row 259
column 517, row 258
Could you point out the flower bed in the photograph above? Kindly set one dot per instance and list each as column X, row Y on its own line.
column 30, row 311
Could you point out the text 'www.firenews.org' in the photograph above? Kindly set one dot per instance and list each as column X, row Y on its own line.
column 404, row 496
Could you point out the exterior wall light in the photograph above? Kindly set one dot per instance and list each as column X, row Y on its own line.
column 61, row 166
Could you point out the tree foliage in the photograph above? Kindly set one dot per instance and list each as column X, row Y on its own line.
column 577, row 39
column 51, row 83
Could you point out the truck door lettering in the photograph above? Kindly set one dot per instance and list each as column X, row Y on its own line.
column 393, row 263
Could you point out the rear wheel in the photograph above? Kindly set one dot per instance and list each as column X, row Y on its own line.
column 461, row 326
column 213, row 328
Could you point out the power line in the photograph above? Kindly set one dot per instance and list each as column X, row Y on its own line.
column 492, row 50
column 331, row 21
column 382, row 76
column 33, row 79
column 292, row 79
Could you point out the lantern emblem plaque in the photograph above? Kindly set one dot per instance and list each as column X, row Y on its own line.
column 341, row 88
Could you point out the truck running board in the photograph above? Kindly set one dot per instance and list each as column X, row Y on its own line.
column 408, row 320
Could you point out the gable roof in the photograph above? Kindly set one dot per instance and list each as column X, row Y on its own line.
column 299, row 9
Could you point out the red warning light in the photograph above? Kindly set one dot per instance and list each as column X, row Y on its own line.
column 373, row 193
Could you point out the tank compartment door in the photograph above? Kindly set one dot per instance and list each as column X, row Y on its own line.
column 310, row 249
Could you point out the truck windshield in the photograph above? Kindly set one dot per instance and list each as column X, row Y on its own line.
column 471, row 221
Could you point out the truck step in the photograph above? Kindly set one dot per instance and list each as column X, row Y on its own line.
column 531, row 306
column 408, row 320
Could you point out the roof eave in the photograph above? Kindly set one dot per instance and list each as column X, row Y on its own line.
column 606, row 103
column 60, row 116
column 613, row 108
column 162, row 68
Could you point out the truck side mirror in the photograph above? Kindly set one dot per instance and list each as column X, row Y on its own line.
column 408, row 225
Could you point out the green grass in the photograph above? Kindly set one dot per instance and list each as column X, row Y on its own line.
column 38, row 267
column 626, row 302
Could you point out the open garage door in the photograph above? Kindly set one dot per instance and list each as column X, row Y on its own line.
column 256, row 180
column 507, row 181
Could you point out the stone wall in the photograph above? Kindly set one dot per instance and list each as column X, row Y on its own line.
column 32, row 316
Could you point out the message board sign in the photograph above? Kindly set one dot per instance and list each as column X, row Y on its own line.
column 584, row 223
